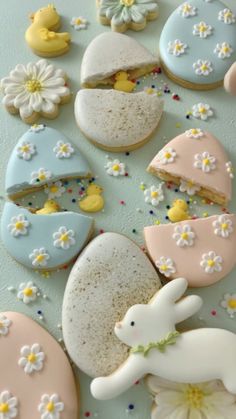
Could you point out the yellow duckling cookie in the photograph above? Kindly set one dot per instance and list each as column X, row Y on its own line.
column 178, row 211
column 122, row 83
column 42, row 37
column 49, row 207
column 93, row 202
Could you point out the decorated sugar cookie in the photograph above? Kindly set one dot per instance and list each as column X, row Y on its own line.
column 124, row 122
column 230, row 80
column 42, row 36
column 126, row 14
column 36, row 377
column 198, row 163
column 198, row 44
column 44, row 241
column 157, row 348
column 42, row 155
column 110, row 274
column 111, row 52
column 202, row 250
column 34, row 90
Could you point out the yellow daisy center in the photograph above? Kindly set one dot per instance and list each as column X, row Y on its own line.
column 228, row 14
column 186, row 8
column 163, row 267
column 154, row 194
column 64, row 237
column 178, row 47
column 224, row 226
column 4, row 408
column 211, row 263
column 78, row 21
column 167, row 155
column 232, row 303
column 206, row 162
column 194, row 131
column 149, row 91
column 40, row 258
column 116, row 167
column 195, row 397
column 41, row 176
column 53, row 188
column 19, row 225
column 32, row 358
column 28, row 292
column 202, row 110
column 127, row 3
column 33, row 86
column 50, row 407
column 202, row 28
column 64, row 148
column 225, row 49
column 184, row 236
column 204, row 67
column 25, row 148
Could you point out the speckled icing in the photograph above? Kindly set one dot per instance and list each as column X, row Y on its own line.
column 21, row 173
column 123, row 120
column 189, row 248
column 43, row 232
column 188, row 153
column 56, row 377
column 111, row 274
column 181, row 28
column 111, row 52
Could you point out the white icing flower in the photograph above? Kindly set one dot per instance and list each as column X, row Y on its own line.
column 63, row 150
column 186, row 10
column 64, row 238
column 184, row 236
column 115, row 168
column 55, row 190
column 208, row 400
column 39, row 257
column 166, row 266
column 35, row 87
column 205, row 162
column 125, row 11
column 223, row 226
column 154, row 195
column 229, row 303
column 40, row 176
column 202, row 29
column 211, row 262
column 150, row 90
column 37, row 128
column 194, row 133
column 230, row 169
column 177, row 48
column 50, row 407
column 202, row 111
column 227, row 16
column 79, row 23
column 203, row 67
column 189, row 187
column 167, row 155
column 223, row 50
column 26, row 150
column 18, row 225
column 31, row 358
column 5, row 323
column 27, row 292
column 8, row 405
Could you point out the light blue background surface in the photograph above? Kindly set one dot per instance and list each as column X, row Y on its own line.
column 116, row 217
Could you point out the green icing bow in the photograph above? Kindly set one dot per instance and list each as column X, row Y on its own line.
column 161, row 346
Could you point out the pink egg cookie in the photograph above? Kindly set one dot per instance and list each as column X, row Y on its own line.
column 230, row 80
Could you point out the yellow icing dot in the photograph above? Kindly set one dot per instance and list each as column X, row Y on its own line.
column 167, row 155
column 64, row 148
column 202, row 28
column 50, row 407
column 224, row 226
column 25, row 148
column 39, row 258
column 206, row 162
column 225, row 49
column 163, row 268
column 41, row 176
column 178, row 47
column 54, row 188
column 178, row 125
column 184, row 236
column 202, row 110
column 211, row 263
column 19, row 225
column 33, row 86
column 64, row 237
column 194, row 397
column 204, row 67
column 4, row 408
column 116, row 167
column 28, row 292
column 32, row 358
column 232, row 303
column 205, row 214
column 142, row 187
column 149, row 91
column 78, row 21
column 228, row 14
column 154, row 194
column 194, row 131
column 186, row 8
column 157, row 222
column 127, row 3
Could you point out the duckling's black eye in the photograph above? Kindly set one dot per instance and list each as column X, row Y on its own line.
column 132, row 323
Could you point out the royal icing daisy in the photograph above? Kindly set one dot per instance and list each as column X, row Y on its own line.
column 229, row 303
column 63, row 150
column 8, row 405
column 184, row 236
column 202, row 29
column 79, row 23
column 227, row 16
column 194, row 133
column 186, row 10
column 37, row 128
column 19, row 225
column 202, row 111
column 27, row 292
column 26, row 150
column 150, row 90
column 40, row 175
column 64, row 238
column 115, row 168
column 205, row 162
column 230, row 169
column 154, row 195
column 223, row 50
column 39, row 257
column 223, row 226
column 211, row 262
column 5, row 324
column 177, row 48
column 50, row 407
column 55, row 190
column 32, row 358
column 167, row 155
column 189, row 187
column 203, row 67
column 166, row 266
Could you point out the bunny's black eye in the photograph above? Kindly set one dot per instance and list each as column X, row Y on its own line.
column 132, row 323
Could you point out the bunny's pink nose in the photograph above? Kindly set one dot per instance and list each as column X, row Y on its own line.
column 118, row 325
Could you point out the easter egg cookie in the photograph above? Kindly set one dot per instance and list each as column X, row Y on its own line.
column 110, row 53
column 41, row 156
column 202, row 250
column 110, row 274
column 126, row 14
column 36, row 378
column 198, row 44
column 42, row 36
column 124, row 121
column 196, row 162
column 34, row 90
column 45, row 240
column 230, row 80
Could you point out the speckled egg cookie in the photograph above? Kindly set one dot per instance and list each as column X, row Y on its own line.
column 198, row 44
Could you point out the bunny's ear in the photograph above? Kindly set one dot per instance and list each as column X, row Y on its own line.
column 171, row 292
column 187, row 307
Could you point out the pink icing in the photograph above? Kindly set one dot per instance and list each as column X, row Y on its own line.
column 230, row 80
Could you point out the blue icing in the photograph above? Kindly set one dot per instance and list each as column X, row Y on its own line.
column 178, row 27
column 39, row 232
column 42, row 154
